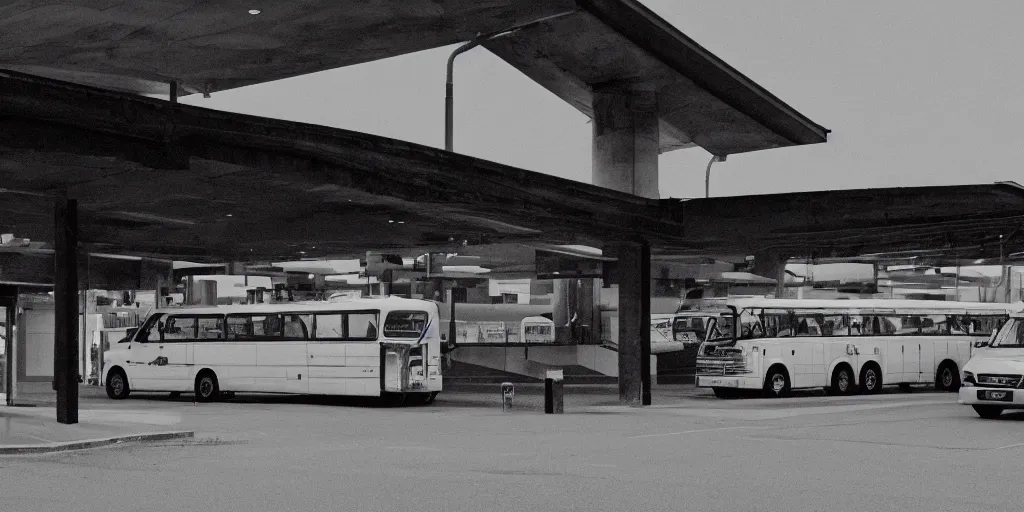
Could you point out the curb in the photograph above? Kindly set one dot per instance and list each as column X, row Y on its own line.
column 93, row 443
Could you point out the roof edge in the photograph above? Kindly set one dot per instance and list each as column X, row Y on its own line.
column 687, row 57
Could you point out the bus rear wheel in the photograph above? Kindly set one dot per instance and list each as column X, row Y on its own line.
column 842, row 380
column 948, row 377
column 870, row 379
column 207, row 387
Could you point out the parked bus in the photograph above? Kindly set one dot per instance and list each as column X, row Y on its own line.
column 993, row 380
column 777, row 345
column 360, row 347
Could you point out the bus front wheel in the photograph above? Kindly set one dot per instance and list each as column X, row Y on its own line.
column 776, row 383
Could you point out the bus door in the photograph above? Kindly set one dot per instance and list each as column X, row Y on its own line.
column 172, row 352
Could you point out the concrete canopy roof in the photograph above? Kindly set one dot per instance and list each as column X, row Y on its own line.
column 935, row 224
column 179, row 182
column 215, row 45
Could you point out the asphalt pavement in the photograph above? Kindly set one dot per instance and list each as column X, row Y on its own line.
column 907, row 452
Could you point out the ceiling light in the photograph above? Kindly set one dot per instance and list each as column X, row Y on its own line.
column 401, row 222
column 391, row 222
column 229, row 215
column 254, row 12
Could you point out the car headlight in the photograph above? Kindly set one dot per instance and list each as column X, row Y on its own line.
column 968, row 379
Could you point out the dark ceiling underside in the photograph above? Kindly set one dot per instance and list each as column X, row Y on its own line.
column 181, row 182
column 215, row 45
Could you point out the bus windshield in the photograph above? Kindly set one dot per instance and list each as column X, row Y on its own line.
column 699, row 328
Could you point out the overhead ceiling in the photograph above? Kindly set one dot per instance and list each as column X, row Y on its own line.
column 180, row 182
column 174, row 181
column 939, row 224
column 214, row 45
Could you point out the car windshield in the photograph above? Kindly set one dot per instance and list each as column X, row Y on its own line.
column 1011, row 335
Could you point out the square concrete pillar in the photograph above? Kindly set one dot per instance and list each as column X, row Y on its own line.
column 626, row 141
column 634, row 311
column 772, row 264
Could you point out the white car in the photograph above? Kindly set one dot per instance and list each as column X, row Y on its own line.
column 993, row 380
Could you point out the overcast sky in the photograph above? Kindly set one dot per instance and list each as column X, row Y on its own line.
column 915, row 92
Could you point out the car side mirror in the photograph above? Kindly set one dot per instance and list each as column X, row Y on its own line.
column 980, row 344
column 129, row 334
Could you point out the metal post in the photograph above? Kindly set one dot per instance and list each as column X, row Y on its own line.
column 449, row 96
column 174, row 91
column 65, row 339
column 553, row 401
column 449, row 89
column 707, row 175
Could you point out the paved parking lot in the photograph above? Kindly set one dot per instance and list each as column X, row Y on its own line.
column 916, row 451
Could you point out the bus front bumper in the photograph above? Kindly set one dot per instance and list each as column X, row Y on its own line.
column 1011, row 398
column 728, row 381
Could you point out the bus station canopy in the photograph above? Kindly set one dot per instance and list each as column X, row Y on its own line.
column 178, row 182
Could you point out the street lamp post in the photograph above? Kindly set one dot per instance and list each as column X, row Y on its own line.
column 707, row 174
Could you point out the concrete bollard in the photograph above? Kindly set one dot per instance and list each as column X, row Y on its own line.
column 508, row 392
column 553, row 403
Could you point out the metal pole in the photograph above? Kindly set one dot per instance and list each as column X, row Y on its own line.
column 707, row 175
column 449, row 93
column 174, row 92
column 449, row 99
column 66, row 309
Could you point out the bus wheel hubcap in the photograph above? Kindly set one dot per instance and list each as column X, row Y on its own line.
column 870, row 379
column 778, row 382
column 947, row 378
column 117, row 384
column 205, row 387
column 844, row 381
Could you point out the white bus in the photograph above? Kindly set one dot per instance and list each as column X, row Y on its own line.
column 777, row 345
column 993, row 380
column 361, row 347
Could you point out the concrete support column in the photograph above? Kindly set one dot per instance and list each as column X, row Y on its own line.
column 634, row 278
column 772, row 264
column 65, row 294
column 9, row 308
column 626, row 141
